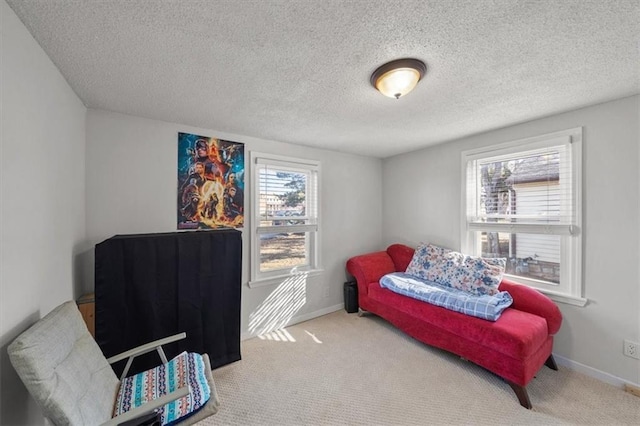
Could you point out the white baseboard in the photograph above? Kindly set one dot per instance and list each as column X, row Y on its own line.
column 300, row 318
column 592, row 372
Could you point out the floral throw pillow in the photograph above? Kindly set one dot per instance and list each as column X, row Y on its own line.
column 476, row 275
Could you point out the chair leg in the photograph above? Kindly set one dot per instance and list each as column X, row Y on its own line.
column 551, row 363
column 521, row 393
column 361, row 312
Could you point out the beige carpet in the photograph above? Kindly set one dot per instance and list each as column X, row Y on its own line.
column 341, row 369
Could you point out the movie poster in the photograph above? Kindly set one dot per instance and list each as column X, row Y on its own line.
column 210, row 182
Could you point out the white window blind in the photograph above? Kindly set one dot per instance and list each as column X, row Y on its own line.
column 287, row 196
column 520, row 191
column 285, row 216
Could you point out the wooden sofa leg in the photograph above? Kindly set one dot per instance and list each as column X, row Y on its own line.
column 551, row 363
column 521, row 393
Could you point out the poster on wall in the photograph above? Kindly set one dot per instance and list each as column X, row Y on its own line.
column 210, row 182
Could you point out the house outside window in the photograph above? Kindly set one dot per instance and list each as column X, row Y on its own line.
column 522, row 201
column 284, row 222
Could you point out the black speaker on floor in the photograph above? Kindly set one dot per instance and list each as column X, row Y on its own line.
column 350, row 297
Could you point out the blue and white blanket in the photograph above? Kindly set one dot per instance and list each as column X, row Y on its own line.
column 485, row 307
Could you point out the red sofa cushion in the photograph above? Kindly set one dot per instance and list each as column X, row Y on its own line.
column 516, row 334
column 401, row 256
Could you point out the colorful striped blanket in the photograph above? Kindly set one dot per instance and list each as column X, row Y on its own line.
column 186, row 369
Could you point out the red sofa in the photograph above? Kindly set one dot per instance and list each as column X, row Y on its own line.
column 514, row 347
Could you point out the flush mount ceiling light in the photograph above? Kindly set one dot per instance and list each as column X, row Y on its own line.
column 397, row 78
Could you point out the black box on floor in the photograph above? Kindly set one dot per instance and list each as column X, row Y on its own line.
column 350, row 297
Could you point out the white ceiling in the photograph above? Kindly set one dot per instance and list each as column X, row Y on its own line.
column 298, row 70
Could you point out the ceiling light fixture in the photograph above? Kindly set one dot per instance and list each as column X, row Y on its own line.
column 397, row 78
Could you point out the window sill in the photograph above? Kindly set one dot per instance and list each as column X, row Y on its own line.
column 557, row 296
column 280, row 278
column 564, row 298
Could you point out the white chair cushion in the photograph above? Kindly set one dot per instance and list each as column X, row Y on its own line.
column 64, row 369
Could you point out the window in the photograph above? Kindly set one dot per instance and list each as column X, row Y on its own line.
column 284, row 222
column 523, row 202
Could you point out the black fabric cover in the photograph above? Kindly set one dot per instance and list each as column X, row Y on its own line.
column 155, row 285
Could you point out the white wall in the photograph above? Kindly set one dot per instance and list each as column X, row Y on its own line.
column 131, row 188
column 43, row 198
column 422, row 198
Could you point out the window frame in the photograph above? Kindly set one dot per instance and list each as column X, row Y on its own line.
column 570, row 289
column 312, row 168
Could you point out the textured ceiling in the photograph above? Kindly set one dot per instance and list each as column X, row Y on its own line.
column 298, row 70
